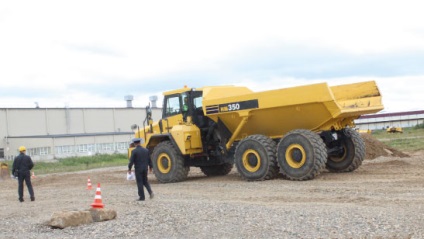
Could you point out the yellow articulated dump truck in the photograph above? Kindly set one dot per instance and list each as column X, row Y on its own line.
column 296, row 131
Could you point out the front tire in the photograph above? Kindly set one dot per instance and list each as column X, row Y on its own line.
column 301, row 155
column 255, row 158
column 168, row 163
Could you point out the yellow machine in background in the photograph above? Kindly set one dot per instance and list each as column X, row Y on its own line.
column 297, row 131
column 394, row 130
column 364, row 131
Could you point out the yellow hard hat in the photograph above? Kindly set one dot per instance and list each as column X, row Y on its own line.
column 22, row 148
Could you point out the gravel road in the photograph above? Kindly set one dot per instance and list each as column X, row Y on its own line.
column 384, row 198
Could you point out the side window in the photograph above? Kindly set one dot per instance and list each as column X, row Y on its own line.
column 198, row 102
column 173, row 106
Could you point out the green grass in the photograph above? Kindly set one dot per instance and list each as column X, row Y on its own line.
column 78, row 163
column 419, row 126
column 412, row 139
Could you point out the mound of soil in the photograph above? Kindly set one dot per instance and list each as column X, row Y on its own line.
column 375, row 148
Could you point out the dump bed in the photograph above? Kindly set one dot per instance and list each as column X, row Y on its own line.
column 273, row 113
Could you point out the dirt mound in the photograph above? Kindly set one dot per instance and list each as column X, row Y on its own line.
column 375, row 148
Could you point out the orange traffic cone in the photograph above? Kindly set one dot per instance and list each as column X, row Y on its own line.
column 89, row 184
column 33, row 175
column 98, row 199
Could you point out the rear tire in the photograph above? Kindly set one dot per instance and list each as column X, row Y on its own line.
column 217, row 170
column 301, row 155
column 255, row 158
column 352, row 155
column 168, row 163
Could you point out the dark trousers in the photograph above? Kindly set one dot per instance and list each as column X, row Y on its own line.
column 27, row 177
column 141, row 178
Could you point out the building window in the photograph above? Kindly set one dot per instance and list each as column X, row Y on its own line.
column 38, row 151
column 105, row 147
column 65, row 149
column 82, row 148
column 44, row 151
column 121, row 145
column 91, row 147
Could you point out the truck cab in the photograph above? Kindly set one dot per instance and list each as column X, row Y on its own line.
column 184, row 137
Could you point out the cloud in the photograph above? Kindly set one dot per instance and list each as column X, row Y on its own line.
column 93, row 53
column 95, row 49
column 299, row 61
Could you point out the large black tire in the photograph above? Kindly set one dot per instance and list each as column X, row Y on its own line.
column 168, row 163
column 352, row 155
column 255, row 158
column 301, row 155
column 217, row 170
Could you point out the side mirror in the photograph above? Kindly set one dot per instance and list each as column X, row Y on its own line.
column 134, row 126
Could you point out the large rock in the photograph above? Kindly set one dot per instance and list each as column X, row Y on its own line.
column 75, row 218
column 70, row 219
column 101, row 214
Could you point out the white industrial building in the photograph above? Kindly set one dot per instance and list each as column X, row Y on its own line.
column 50, row 133
column 386, row 120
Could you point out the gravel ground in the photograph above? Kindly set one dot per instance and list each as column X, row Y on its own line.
column 384, row 198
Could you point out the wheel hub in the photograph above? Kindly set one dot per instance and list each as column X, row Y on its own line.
column 164, row 163
column 339, row 155
column 251, row 160
column 295, row 156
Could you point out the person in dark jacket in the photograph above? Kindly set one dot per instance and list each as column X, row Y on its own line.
column 22, row 166
column 140, row 158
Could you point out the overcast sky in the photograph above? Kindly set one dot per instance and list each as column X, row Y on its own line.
column 93, row 53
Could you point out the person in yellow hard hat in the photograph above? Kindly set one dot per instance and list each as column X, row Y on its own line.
column 22, row 166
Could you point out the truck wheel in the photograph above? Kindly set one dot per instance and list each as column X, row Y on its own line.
column 168, row 164
column 255, row 158
column 301, row 155
column 217, row 170
column 352, row 155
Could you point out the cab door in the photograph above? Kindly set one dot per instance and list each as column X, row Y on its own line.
column 172, row 112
